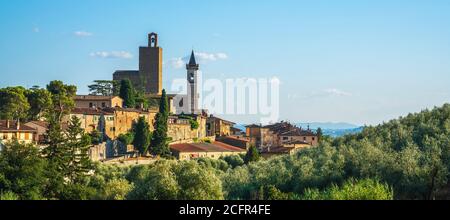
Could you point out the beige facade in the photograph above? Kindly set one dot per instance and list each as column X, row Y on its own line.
column 11, row 130
column 214, row 150
column 310, row 140
column 218, row 127
column 278, row 135
column 117, row 120
column 91, row 101
column 180, row 131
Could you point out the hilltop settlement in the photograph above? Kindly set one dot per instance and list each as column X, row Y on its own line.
column 115, row 109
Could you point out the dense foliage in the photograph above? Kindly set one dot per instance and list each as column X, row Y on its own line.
column 407, row 158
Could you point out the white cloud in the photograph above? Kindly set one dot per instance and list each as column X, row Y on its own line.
column 82, row 34
column 112, row 54
column 201, row 57
column 177, row 63
column 337, row 92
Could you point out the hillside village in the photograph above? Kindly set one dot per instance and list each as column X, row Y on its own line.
column 192, row 132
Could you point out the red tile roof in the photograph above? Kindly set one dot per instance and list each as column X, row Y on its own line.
column 93, row 98
column 90, row 111
column 13, row 126
column 205, row 147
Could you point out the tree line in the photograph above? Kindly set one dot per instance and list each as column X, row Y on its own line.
column 406, row 158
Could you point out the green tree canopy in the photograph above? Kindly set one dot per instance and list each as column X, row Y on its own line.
column 13, row 103
column 22, row 171
column 40, row 101
column 105, row 88
column 252, row 155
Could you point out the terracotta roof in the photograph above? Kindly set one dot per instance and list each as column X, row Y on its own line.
column 94, row 98
column 205, row 147
column 235, row 138
column 13, row 126
column 298, row 132
column 226, row 121
column 229, row 147
column 44, row 124
column 91, row 111
column 298, row 142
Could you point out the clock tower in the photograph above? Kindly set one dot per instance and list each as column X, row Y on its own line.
column 192, row 80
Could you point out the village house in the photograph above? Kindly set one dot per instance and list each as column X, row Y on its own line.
column 280, row 138
column 14, row 130
column 116, row 121
column 215, row 150
column 218, row 127
column 93, row 101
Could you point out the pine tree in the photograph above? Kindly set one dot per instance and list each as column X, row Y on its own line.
column 127, row 93
column 159, row 144
column 252, row 155
column 77, row 144
column 142, row 135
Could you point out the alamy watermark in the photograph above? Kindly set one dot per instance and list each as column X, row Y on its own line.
column 235, row 97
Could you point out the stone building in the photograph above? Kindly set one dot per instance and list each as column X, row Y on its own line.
column 93, row 101
column 218, row 127
column 116, row 120
column 149, row 76
column 279, row 134
column 180, row 130
column 215, row 150
column 41, row 128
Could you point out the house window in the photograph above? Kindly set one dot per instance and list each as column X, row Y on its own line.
column 304, row 138
column 27, row 136
column 313, row 138
column 285, row 138
column 103, row 105
column 91, row 105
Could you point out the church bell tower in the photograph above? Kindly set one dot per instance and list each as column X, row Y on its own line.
column 192, row 80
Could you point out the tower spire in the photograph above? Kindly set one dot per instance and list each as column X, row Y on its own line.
column 192, row 59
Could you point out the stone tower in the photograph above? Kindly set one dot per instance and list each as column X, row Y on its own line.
column 192, row 80
column 150, row 66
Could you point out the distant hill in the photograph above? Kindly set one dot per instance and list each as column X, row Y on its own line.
column 328, row 128
column 328, row 125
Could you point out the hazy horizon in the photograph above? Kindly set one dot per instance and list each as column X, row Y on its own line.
column 350, row 61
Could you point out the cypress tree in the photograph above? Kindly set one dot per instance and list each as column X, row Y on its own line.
column 252, row 155
column 159, row 144
column 142, row 135
column 127, row 93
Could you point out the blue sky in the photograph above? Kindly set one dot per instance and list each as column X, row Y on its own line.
column 361, row 62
